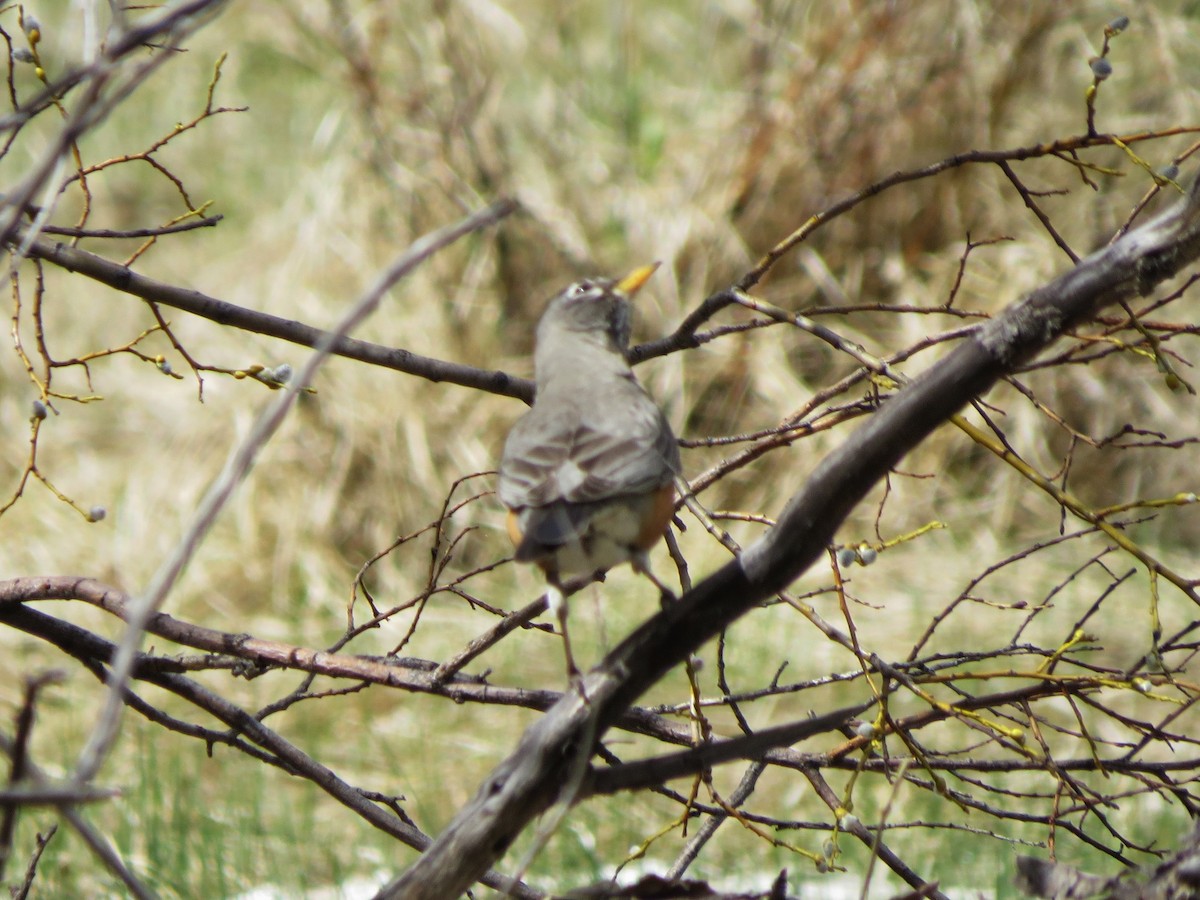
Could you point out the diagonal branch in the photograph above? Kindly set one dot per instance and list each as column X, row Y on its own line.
column 93, row 651
column 124, row 279
column 529, row 781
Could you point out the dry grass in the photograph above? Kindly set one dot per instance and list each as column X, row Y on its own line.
column 695, row 134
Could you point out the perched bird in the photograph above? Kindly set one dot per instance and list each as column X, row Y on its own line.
column 588, row 474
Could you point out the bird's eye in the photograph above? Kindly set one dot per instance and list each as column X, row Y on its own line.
column 578, row 290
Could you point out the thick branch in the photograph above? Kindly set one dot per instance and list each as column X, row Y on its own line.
column 531, row 779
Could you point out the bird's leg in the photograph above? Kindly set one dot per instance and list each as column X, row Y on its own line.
column 556, row 601
column 641, row 564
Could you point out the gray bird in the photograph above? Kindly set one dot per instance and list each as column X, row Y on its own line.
column 588, row 474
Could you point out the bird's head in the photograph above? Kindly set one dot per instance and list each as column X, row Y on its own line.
column 595, row 308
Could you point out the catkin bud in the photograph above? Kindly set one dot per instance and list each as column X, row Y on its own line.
column 1101, row 67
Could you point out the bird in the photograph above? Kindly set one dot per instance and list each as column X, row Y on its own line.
column 588, row 472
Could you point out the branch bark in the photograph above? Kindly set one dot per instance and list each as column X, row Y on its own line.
column 532, row 778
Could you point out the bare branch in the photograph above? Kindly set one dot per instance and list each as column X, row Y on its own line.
column 528, row 781
column 93, row 754
column 124, row 279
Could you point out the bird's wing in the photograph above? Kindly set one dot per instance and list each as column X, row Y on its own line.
column 581, row 452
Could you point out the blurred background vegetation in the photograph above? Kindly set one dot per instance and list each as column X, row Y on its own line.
column 695, row 133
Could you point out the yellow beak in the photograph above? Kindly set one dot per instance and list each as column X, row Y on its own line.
column 630, row 283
